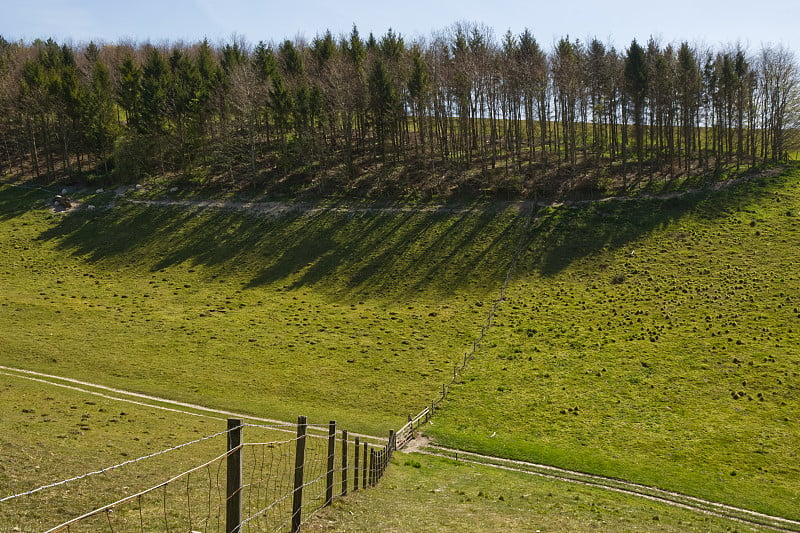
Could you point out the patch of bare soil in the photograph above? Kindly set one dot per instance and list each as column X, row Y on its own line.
column 418, row 444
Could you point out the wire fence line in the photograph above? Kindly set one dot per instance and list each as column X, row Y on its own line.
column 108, row 509
column 407, row 433
column 109, row 468
column 262, row 484
column 269, row 485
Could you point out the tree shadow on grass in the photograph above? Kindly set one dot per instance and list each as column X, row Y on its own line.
column 386, row 253
column 560, row 236
column 393, row 254
column 17, row 200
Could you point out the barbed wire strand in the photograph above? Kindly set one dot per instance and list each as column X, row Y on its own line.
column 141, row 493
column 114, row 467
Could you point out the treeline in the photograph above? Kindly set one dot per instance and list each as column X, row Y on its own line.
column 347, row 111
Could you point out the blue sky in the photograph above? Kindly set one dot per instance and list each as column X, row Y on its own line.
column 714, row 23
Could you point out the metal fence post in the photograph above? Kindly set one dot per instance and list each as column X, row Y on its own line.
column 233, row 492
column 299, row 462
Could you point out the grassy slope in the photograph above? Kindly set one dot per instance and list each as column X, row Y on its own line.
column 219, row 308
column 429, row 494
column 654, row 341
column 50, row 434
column 355, row 318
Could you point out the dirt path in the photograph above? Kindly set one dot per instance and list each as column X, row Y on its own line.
column 276, row 209
column 424, row 446
column 155, row 402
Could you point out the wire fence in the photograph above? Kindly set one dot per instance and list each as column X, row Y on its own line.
column 271, row 484
column 407, row 433
column 263, row 483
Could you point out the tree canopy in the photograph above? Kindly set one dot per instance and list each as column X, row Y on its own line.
column 488, row 114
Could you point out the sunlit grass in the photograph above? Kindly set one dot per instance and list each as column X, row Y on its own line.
column 471, row 498
column 335, row 316
column 656, row 342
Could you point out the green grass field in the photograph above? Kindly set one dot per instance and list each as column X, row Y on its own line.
column 52, row 433
column 429, row 494
column 654, row 340
column 328, row 314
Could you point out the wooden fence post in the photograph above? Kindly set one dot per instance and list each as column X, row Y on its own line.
column 355, row 464
column 381, row 458
column 365, row 468
column 373, row 467
column 233, row 493
column 331, row 462
column 344, row 462
column 299, row 462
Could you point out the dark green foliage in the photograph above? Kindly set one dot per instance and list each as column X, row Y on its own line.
column 382, row 100
column 291, row 59
column 99, row 114
column 155, row 86
column 637, row 81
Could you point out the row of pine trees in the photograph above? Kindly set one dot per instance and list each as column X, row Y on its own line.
column 460, row 103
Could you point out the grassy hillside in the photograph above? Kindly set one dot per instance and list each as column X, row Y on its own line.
column 429, row 494
column 355, row 317
column 654, row 341
column 53, row 433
